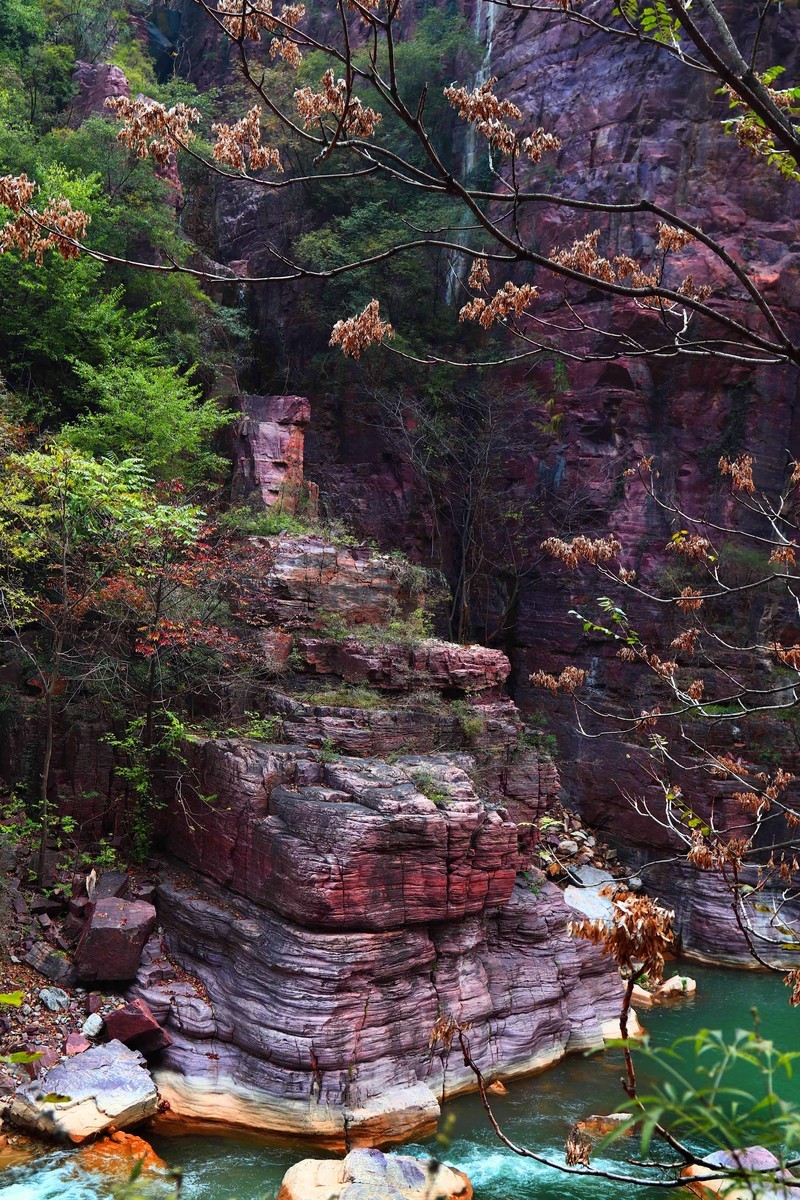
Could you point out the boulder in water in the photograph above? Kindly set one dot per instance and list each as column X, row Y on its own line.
column 118, row 1154
column 780, row 1186
column 676, row 985
column 371, row 1175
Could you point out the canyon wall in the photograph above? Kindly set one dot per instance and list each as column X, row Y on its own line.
column 633, row 122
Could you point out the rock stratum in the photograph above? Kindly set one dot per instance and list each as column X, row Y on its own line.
column 337, row 889
column 323, row 908
column 633, row 122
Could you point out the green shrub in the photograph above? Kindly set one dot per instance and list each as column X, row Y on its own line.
column 469, row 719
column 266, row 522
column 535, row 737
column 427, row 783
column 408, row 631
column 346, row 696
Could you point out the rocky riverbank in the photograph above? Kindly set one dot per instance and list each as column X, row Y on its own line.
column 321, row 903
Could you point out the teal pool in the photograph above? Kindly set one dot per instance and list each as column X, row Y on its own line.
column 537, row 1112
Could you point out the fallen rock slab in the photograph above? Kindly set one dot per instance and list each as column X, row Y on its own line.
column 135, row 1025
column 76, row 1043
column 51, row 963
column 111, row 945
column 371, row 1175
column 104, row 1087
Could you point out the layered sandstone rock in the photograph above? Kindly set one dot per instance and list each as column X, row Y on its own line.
column 704, row 919
column 385, row 730
column 350, row 844
column 313, row 579
column 95, row 83
column 396, row 667
column 268, row 456
column 326, row 1033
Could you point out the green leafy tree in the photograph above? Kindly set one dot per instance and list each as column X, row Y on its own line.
column 68, row 523
column 152, row 411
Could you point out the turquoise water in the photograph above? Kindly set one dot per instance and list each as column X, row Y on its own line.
column 537, row 1112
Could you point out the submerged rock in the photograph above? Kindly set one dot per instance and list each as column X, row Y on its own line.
column 107, row 1086
column 370, row 1175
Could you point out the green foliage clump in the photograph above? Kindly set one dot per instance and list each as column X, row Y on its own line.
column 722, row 1093
column 108, row 350
column 408, row 631
column 535, row 736
column 265, row 523
column 346, row 696
column 427, row 783
column 259, row 726
column 151, row 410
column 469, row 719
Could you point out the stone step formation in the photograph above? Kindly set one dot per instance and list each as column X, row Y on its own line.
column 341, row 894
column 337, row 896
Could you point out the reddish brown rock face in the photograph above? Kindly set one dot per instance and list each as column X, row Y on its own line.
column 110, row 946
column 313, row 580
column 268, row 457
column 96, row 83
column 350, row 845
column 135, row 1026
column 440, row 665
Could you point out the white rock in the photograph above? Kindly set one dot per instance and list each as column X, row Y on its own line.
column 54, row 999
column 677, row 985
column 92, row 1027
column 611, row 1029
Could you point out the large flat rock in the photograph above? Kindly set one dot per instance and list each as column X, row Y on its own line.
column 105, row 1086
column 350, row 844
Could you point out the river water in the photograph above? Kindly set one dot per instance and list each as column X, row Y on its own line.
column 537, row 1112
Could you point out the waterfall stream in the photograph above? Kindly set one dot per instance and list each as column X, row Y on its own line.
column 483, row 25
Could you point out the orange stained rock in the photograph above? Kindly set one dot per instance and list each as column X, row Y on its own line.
column 118, row 1152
